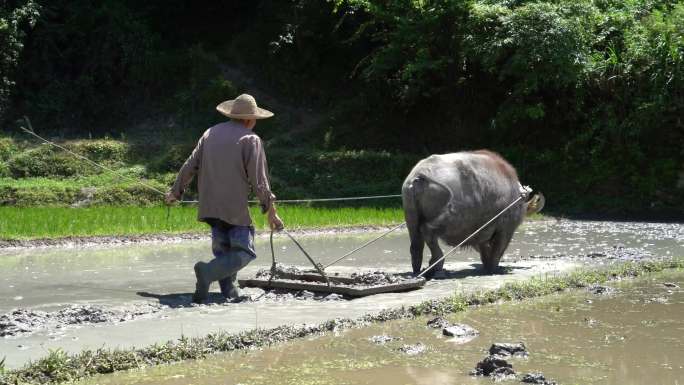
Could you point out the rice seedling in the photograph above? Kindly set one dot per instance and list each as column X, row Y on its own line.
column 58, row 222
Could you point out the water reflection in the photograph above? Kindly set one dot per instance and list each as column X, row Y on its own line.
column 626, row 338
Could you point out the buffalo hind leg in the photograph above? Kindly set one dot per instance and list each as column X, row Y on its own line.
column 417, row 246
column 492, row 251
column 437, row 254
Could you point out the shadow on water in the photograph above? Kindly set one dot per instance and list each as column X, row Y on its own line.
column 476, row 270
column 182, row 300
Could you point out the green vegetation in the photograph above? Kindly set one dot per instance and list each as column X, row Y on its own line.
column 58, row 366
column 33, row 174
column 60, row 222
column 583, row 97
column 15, row 20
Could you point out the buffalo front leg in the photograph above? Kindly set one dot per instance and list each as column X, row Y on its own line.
column 437, row 254
column 485, row 249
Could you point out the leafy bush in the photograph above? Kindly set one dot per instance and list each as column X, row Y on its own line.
column 7, row 148
column 4, row 170
column 103, row 150
column 45, row 161
column 172, row 157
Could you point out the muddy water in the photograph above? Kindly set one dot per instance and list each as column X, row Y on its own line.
column 52, row 279
column 633, row 337
column 43, row 278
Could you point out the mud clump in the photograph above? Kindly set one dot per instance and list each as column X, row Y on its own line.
column 383, row 339
column 660, row 300
column 460, row 331
column 627, row 254
column 280, row 295
column 280, row 270
column 622, row 253
column 413, row 350
column 26, row 321
column 536, row 378
column 333, row 297
column 493, row 366
column 366, row 279
column 305, row 294
column 375, row 278
column 601, row 290
column 21, row 321
column 614, row 253
column 508, row 349
column 438, row 323
column 76, row 315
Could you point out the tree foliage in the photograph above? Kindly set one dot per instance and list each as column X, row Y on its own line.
column 584, row 96
column 16, row 17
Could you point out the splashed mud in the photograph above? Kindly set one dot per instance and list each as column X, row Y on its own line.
column 25, row 321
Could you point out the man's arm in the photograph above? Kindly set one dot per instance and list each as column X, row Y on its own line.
column 257, row 173
column 186, row 173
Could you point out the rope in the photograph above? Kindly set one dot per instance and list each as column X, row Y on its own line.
column 321, row 199
column 364, row 245
column 470, row 236
column 318, row 267
column 30, row 131
column 315, row 265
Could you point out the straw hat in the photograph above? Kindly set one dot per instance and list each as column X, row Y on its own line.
column 243, row 107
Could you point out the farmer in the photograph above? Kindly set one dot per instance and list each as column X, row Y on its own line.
column 229, row 159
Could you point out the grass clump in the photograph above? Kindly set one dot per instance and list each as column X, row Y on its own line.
column 59, row 366
column 537, row 287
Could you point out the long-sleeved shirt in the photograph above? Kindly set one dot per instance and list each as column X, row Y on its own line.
column 229, row 159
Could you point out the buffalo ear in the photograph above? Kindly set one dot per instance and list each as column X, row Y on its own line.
column 535, row 204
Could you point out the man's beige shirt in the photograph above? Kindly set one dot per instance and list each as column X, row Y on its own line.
column 229, row 160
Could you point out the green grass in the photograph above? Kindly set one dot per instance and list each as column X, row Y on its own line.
column 58, row 222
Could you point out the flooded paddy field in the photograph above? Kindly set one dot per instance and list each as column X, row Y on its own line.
column 138, row 295
column 634, row 335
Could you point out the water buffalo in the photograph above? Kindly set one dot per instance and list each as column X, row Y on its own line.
column 450, row 196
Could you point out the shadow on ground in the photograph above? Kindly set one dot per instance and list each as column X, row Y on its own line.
column 476, row 270
column 182, row 300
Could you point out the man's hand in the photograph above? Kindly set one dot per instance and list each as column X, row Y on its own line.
column 274, row 220
column 170, row 198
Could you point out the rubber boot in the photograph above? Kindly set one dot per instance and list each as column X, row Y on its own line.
column 229, row 287
column 202, row 285
column 229, row 284
column 223, row 268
